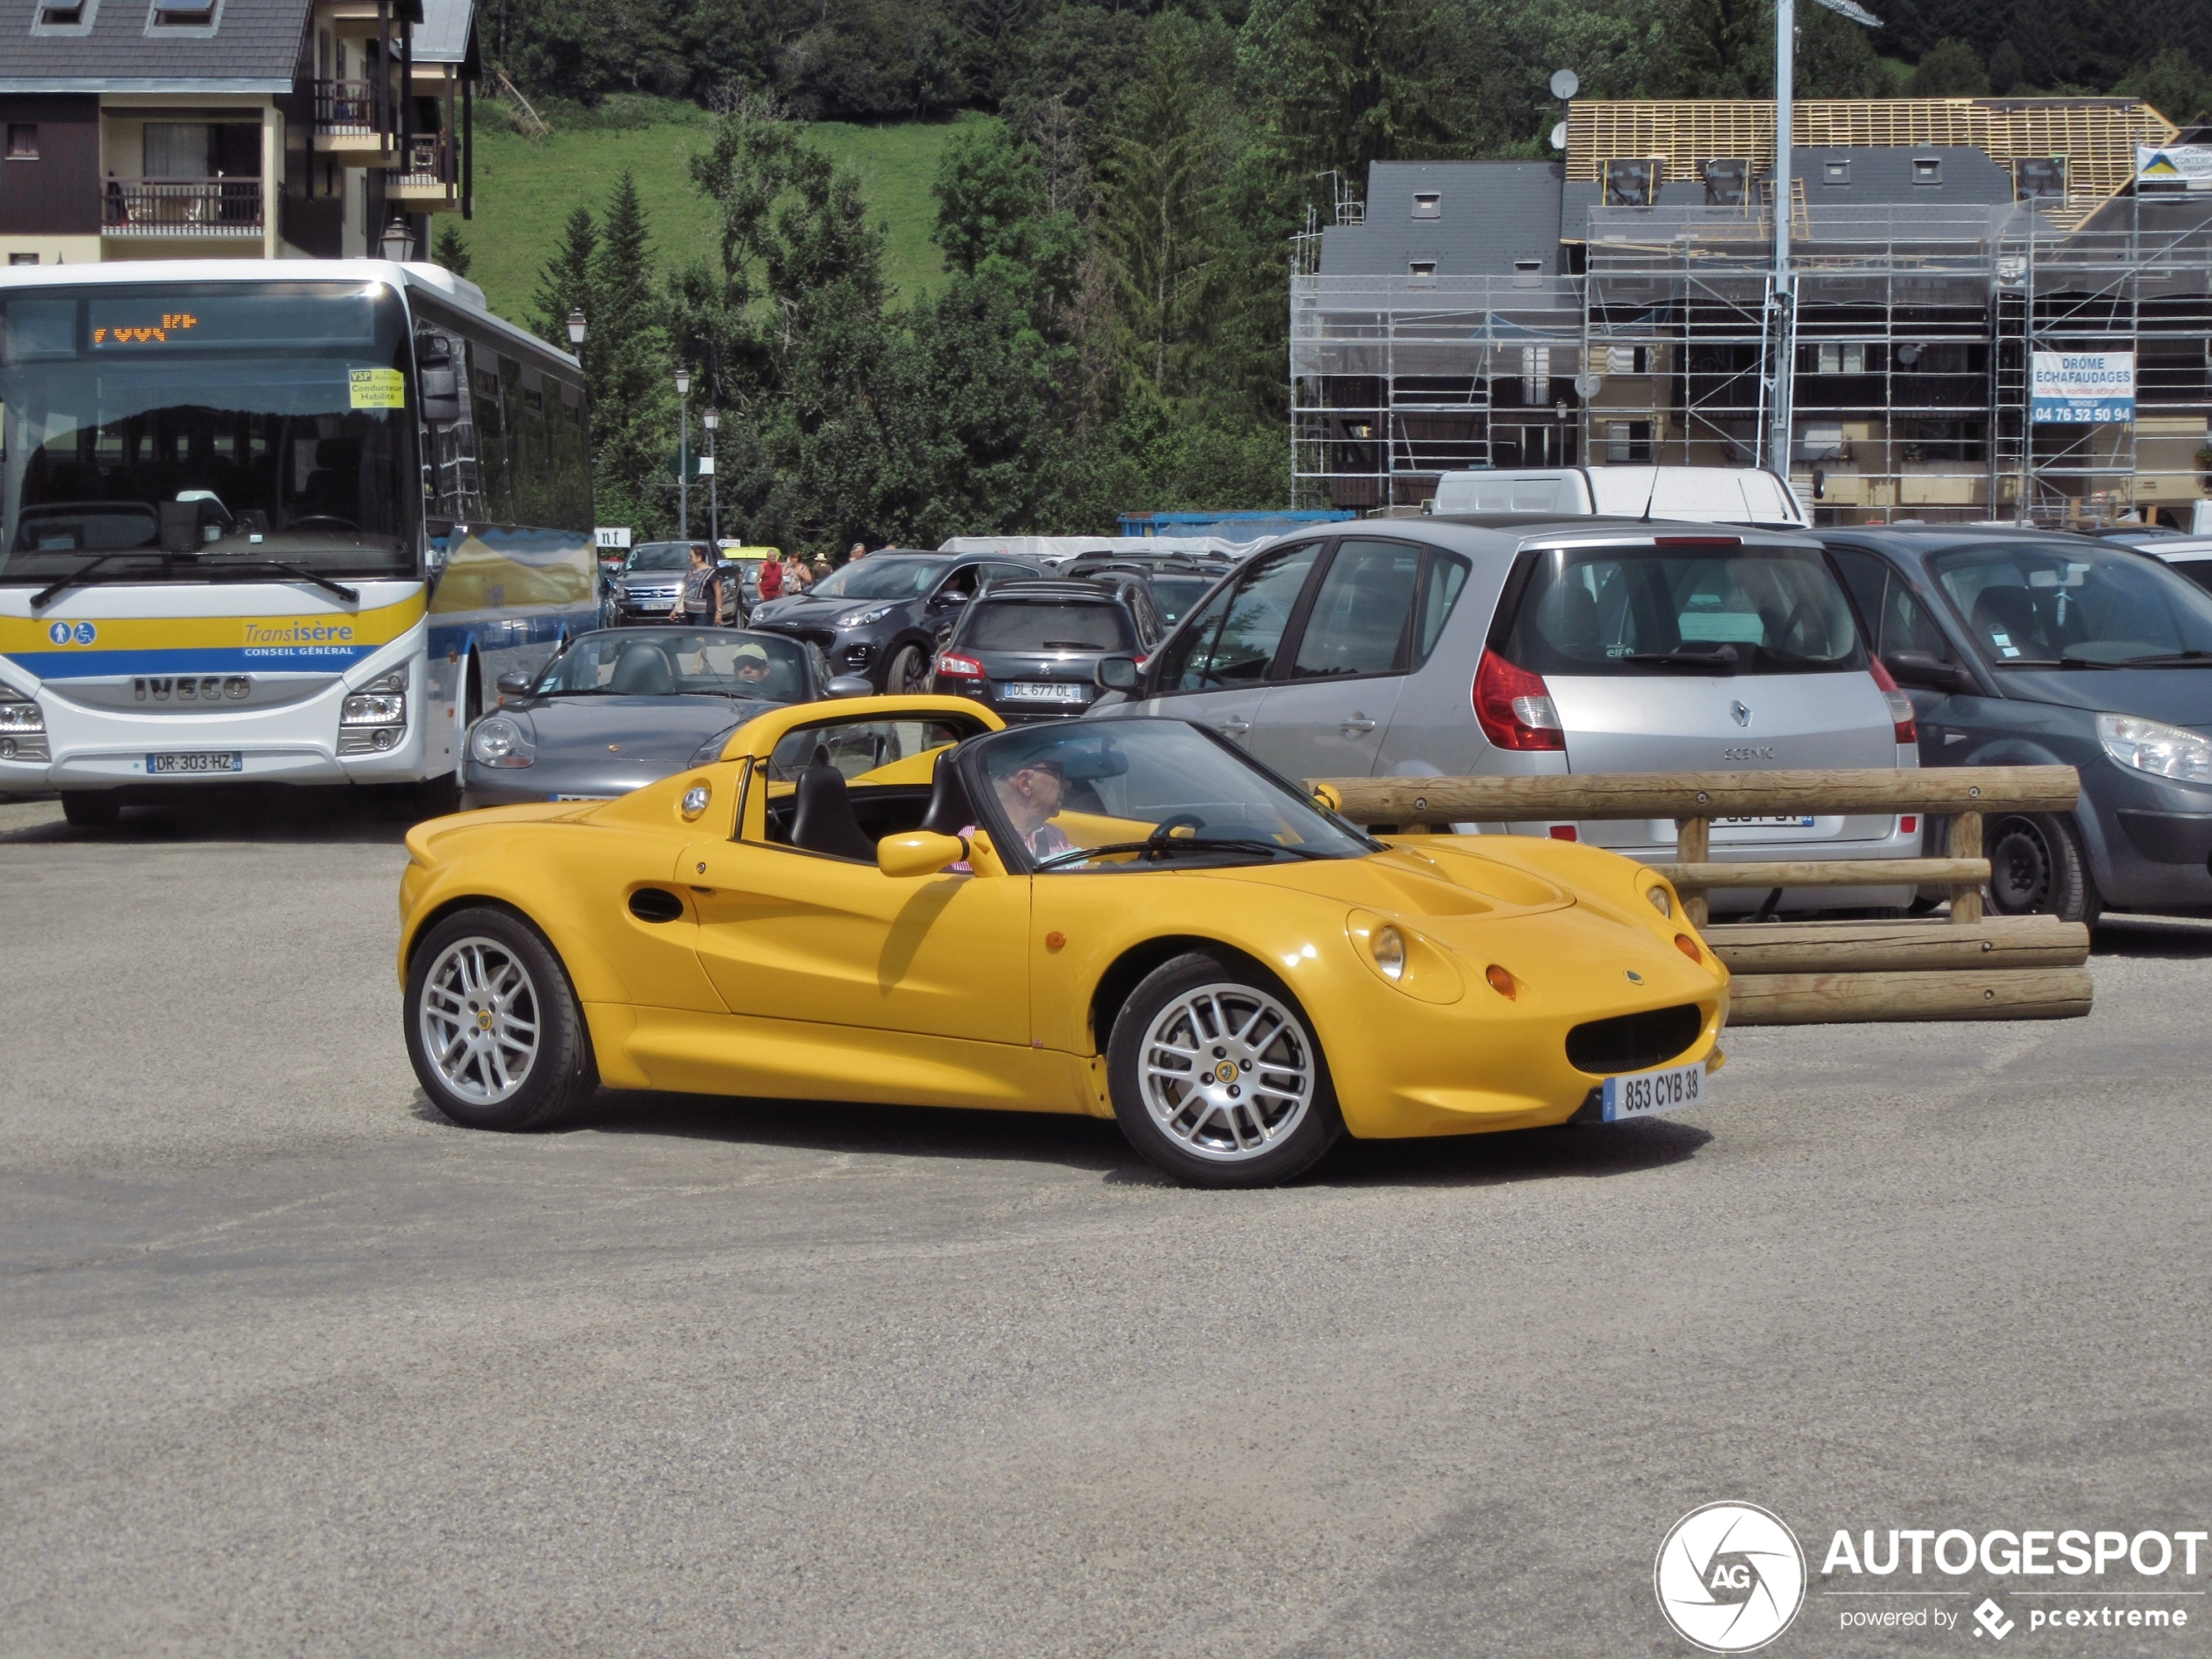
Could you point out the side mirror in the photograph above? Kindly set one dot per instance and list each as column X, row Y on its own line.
column 1117, row 674
column 950, row 597
column 440, row 395
column 851, row 685
column 515, row 683
column 923, row 852
column 1928, row 671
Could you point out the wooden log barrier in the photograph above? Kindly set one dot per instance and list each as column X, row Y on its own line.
column 1967, row 968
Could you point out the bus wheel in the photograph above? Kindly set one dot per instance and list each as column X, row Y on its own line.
column 90, row 809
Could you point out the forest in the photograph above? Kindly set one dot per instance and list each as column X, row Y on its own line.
column 1114, row 212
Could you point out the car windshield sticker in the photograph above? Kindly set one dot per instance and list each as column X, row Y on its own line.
column 376, row 388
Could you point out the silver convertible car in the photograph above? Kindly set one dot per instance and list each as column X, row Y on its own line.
column 618, row 708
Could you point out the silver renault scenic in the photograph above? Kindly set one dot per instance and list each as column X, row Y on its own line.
column 1528, row 644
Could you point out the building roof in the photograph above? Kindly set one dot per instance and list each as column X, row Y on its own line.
column 252, row 47
column 442, row 36
column 1488, row 217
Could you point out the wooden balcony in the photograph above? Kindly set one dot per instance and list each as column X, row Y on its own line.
column 354, row 122
column 429, row 180
column 182, row 209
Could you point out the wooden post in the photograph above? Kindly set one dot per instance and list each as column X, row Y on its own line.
column 1693, row 844
column 1965, row 843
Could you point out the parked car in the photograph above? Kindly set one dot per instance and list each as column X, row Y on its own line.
column 1703, row 495
column 2024, row 647
column 910, row 908
column 2190, row 554
column 884, row 616
column 652, row 575
column 1582, row 644
column 1177, row 581
column 1029, row 651
column 617, row 708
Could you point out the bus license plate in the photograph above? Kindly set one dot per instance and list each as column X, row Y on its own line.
column 196, row 760
column 1650, row 1092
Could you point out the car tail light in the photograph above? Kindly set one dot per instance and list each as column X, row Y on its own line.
column 958, row 667
column 1514, row 707
column 1562, row 833
column 1908, row 824
column 1908, row 730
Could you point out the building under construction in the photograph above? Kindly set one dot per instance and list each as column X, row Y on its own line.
column 1617, row 306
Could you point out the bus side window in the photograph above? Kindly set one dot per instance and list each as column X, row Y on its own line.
column 571, row 475
column 491, row 435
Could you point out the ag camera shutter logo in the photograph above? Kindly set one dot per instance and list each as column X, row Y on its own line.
column 1730, row 1577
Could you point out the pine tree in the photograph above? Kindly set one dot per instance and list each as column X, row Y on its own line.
column 451, row 251
column 566, row 284
column 627, row 360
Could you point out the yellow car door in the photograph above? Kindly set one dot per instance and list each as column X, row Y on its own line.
column 789, row 935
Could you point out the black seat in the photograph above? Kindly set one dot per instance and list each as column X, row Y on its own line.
column 642, row 671
column 822, row 820
column 2009, row 616
column 950, row 811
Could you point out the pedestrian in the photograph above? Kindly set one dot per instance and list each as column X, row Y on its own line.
column 772, row 578
column 822, row 568
column 797, row 578
column 700, row 600
column 859, row 552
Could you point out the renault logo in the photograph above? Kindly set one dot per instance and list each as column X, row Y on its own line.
column 1740, row 712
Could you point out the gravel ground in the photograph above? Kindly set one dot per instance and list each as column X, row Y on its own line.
column 289, row 1364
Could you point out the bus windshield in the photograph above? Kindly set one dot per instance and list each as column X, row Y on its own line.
column 165, row 432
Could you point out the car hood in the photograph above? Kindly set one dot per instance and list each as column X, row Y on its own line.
column 815, row 612
column 665, row 729
column 2177, row 695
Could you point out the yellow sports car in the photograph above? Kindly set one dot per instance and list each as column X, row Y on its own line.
column 895, row 899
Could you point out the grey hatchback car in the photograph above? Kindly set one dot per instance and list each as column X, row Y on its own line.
column 1531, row 644
column 2023, row 647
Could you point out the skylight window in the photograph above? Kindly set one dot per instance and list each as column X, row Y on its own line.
column 1836, row 170
column 1927, row 170
column 185, row 14
column 1428, row 204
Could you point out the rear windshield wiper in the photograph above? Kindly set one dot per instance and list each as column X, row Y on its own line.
column 1177, row 843
column 1724, row 658
column 351, row 596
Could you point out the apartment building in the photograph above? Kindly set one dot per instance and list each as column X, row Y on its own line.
column 228, row 129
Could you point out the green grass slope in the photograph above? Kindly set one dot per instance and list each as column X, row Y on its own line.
column 525, row 189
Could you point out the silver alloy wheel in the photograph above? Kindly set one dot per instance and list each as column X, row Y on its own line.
column 1226, row 1072
column 480, row 1019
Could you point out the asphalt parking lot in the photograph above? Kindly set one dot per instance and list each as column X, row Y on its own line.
column 289, row 1364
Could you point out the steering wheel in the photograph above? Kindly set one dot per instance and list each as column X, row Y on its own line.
column 324, row 521
column 1167, row 827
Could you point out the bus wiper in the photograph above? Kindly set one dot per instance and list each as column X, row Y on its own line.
column 45, row 594
column 1724, row 658
column 351, row 596
column 1177, row 843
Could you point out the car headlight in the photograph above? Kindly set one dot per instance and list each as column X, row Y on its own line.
column 381, row 702
column 1387, row 946
column 710, row 752
column 2152, row 746
column 501, row 740
column 862, row 619
column 1659, row 902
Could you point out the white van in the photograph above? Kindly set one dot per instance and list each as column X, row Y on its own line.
column 1705, row 495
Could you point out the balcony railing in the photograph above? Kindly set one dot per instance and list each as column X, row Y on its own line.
column 182, row 208
column 429, row 164
column 347, row 108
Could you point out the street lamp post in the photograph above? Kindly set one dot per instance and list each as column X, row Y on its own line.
column 709, row 417
column 683, row 454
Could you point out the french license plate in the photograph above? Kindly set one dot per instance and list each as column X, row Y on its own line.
column 196, row 760
column 1650, row 1092
column 1785, row 821
column 1045, row 692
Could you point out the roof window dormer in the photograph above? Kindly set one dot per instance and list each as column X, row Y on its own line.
column 1428, row 204
column 63, row 16
column 1927, row 170
column 198, row 16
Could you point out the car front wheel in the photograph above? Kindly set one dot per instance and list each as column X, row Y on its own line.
column 908, row 675
column 493, row 1027
column 2037, row 867
column 1217, row 1078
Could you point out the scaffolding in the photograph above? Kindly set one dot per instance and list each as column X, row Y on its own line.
column 1908, row 347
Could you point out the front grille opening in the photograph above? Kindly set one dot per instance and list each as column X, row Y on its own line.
column 1634, row 1041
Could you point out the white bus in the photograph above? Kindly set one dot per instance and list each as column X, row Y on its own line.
column 273, row 522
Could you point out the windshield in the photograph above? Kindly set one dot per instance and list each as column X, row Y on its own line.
column 1142, row 794
column 177, row 427
column 1176, row 594
column 881, row 579
column 1659, row 610
column 661, row 556
column 2032, row 606
column 1069, row 625
column 678, row 662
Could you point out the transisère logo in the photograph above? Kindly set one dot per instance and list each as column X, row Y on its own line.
column 1730, row 1577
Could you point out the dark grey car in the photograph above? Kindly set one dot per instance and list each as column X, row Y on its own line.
column 1029, row 651
column 618, row 708
column 884, row 616
column 2023, row 648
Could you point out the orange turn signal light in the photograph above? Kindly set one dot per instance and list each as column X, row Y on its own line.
column 1688, row 947
column 1502, row 982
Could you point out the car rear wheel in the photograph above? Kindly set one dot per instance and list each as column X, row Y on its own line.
column 1217, row 1078
column 90, row 809
column 2037, row 867
column 908, row 675
column 493, row 1027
